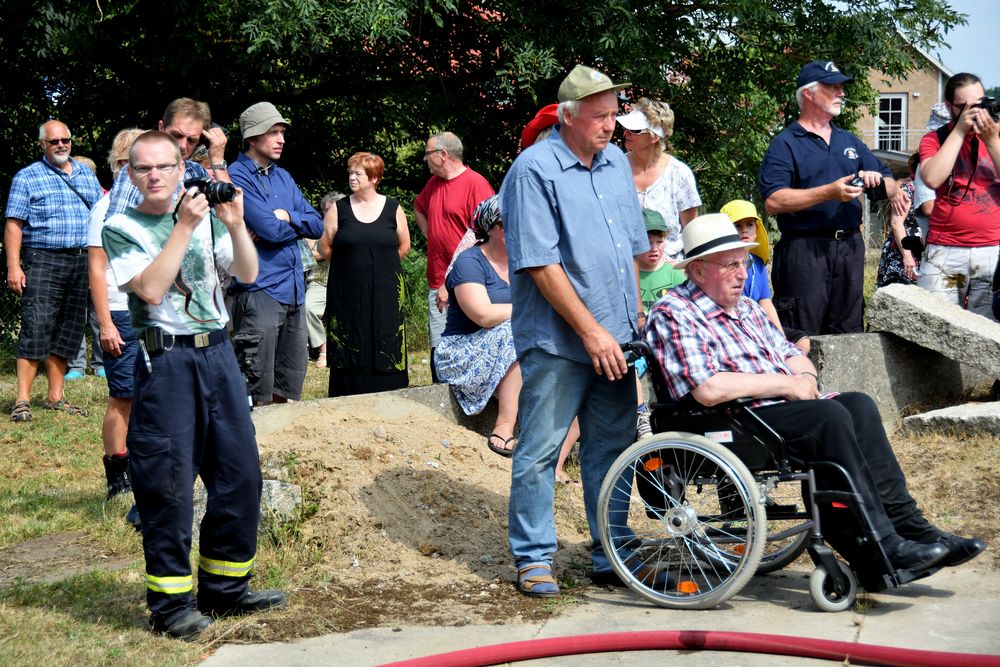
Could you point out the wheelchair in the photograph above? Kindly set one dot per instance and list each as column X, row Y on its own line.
column 688, row 515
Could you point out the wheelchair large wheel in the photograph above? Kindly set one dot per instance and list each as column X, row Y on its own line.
column 681, row 521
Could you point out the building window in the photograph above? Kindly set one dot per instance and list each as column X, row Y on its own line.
column 892, row 122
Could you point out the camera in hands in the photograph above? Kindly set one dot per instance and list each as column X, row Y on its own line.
column 216, row 192
column 991, row 105
column 874, row 193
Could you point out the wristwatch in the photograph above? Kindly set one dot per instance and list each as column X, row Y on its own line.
column 221, row 165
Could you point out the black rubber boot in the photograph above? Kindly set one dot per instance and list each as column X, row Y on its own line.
column 250, row 603
column 116, row 470
column 186, row 626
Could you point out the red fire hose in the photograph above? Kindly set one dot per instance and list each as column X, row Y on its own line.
column 703, row 640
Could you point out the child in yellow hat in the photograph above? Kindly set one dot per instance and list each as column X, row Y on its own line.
column 757, row 287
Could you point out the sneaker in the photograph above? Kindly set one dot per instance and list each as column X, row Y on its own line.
column 642, row 427
column 101, row 373
column 74, row 375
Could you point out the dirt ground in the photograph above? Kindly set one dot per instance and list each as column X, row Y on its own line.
column 405, row 521
column 409, row 512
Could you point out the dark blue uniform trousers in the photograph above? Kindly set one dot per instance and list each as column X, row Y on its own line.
column 818, row 283
column 189, row 417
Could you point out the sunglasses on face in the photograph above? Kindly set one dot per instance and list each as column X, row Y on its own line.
column 55, row 142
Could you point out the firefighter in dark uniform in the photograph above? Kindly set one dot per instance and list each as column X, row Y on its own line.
column 190, row 414
column 812, row 178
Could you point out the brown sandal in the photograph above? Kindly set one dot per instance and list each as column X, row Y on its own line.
column 21, row 412
column 502, row 449
column 65, row 406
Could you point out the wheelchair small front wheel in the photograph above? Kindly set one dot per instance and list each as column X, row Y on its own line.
column 821, row 589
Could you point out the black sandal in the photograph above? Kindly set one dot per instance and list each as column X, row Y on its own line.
column 21, row 412
column 501, row 449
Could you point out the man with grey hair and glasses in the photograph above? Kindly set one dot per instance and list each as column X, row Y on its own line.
column 48, row 210
column 443, row 210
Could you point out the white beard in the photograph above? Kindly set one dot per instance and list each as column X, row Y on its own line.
column 60, row 160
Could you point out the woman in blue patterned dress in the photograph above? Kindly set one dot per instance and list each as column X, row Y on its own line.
column 476, row 353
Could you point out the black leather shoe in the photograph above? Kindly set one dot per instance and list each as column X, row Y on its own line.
column 960, row 549
column 913, row 556
column 250, row 603
column 186, row 626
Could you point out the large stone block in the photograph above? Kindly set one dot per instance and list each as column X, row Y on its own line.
column 970, row 418
column 897, row 374
column 928, row 320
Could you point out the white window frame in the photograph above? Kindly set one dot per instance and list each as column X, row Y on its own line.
column 891, row 136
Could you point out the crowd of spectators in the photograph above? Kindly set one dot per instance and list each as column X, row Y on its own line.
column 530, row 292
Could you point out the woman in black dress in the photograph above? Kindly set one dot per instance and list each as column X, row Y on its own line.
column 365, row 237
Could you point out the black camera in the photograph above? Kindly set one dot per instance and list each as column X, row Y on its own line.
column 216, row 192
column 991, row 105
column 876, row 193
column 915, row 245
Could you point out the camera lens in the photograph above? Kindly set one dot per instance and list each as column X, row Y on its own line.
column 220, row 192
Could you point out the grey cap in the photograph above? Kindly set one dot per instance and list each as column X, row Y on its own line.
column 260, row 118
column 583, row 82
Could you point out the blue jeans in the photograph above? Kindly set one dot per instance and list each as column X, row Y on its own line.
column 554, row 390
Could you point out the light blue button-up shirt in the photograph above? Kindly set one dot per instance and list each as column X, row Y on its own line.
column 557, row 211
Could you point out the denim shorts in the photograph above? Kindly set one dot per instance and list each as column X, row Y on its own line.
column 121, row 369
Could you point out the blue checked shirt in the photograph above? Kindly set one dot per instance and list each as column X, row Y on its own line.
column 694, row 339
column 55, row 217
column 124, row 194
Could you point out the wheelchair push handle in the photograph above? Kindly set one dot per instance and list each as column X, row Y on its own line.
column 637, row 353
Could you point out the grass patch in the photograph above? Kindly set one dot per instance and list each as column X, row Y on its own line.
column 92, row 610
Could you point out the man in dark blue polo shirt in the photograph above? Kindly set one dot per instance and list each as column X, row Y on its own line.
column 806, row 180
column 269, row 316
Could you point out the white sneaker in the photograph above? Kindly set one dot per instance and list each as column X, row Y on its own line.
column 642, row 427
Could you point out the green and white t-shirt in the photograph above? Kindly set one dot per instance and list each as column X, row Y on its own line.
column 133, row 240
column 654, row 284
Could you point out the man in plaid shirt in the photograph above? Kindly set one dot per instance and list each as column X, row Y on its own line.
column 716, row 345
column 47, row 216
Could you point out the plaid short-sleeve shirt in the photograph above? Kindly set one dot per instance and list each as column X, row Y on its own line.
column 55, row 217
column 693, row 339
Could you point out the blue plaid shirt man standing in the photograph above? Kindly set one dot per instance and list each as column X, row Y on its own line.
column 46, row 240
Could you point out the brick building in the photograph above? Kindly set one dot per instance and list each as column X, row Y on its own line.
column 903, row 108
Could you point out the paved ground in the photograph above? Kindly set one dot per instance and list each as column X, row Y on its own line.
column 956, row 610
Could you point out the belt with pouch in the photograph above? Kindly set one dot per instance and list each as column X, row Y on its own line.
column 835, row 234
column 158, row 340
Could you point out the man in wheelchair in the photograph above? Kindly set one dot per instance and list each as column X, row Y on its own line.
column 715, row 345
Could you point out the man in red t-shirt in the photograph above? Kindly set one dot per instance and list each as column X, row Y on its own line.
column 964, row 232
column 444, row 211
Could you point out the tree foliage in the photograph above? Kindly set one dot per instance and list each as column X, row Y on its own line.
column 381, row 74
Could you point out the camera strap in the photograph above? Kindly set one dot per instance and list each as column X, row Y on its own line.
column 179, row 281
column 65, row 179
column 942, row 134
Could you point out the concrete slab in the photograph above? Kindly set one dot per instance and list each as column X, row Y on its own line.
column 967, row 418
column 955, row 610
column 928, row 320
column 894, row 372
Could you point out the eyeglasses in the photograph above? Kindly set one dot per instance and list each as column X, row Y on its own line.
column 729, row 267
column 66, row 141
column 636, row 133
column 431, row 152
column 165, row 169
